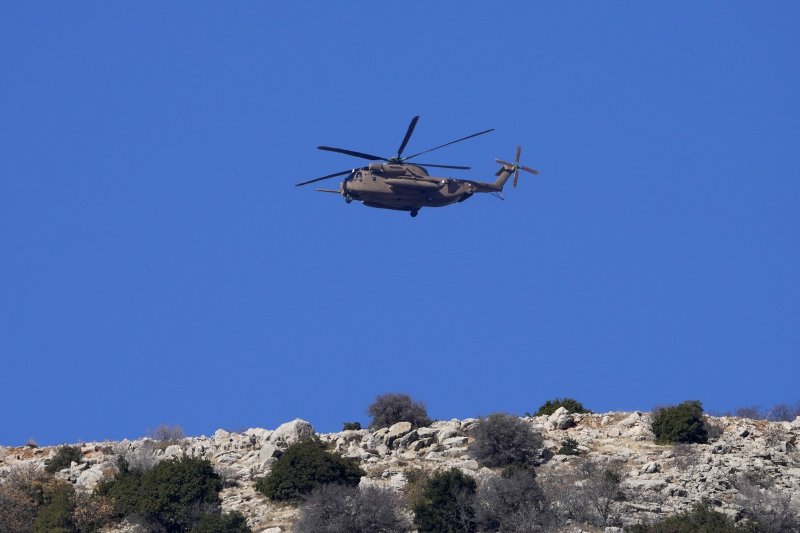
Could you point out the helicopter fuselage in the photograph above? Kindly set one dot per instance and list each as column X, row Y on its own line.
column 407, row 187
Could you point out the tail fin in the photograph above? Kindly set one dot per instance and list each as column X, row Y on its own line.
column 508, row 169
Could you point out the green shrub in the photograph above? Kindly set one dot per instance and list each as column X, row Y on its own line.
column 569, row 446
column 573, row 406
column 63, row 458
column 503, row 440
column 446, row 504
column 701, row 518
column 173, row 494
column 233, row 522
column 56, row 514
column 680, row 423
column 388, row 409
column 305, row 466
column 347, row 426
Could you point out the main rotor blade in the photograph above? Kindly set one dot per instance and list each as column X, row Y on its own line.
column 528, row 169
column 441, row 166
column 448, row 144
column 327, row 190
column 408, row 135
column 323, row 178
column 354, row 154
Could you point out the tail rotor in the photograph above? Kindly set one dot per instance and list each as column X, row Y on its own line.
column 515, row 167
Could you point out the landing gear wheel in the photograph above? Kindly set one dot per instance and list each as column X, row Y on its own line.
column 414, row 212
column 348, row 199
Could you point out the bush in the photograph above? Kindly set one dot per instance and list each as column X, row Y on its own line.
column 512, row 503
column 233, row 522
column 305, row 466
column 753, row 412
column 588, row 492
column 345, row 509
column 23, row 492
column 569, row 446
column 347, row 426
column 680, row 423
column 573, row 406
column 503, row 440
column 701, row 518
column 64, row 457
column 783, row 412
column 446, row 504
column 416, row 482
column 91, row 512
column 771, row 509
column 56, row 514
column 388, row 409
column 165, row 435
column 174, row 494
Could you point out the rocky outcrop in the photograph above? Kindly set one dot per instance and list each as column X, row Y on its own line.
column 663, row 479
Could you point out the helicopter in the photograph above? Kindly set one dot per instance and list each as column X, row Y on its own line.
column 394, row 183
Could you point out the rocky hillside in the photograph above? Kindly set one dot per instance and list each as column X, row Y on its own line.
column 743, row 459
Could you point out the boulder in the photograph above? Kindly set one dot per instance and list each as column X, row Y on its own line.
column 291, row 432
column 173, row 452
column 88, row 479
column 631, row 420
column 406, row 440
column 447, row 432
column 455, row 441
column 261, row 435
column 560, row 419
column 396, row 431
column 268, row 452
column 377, row 438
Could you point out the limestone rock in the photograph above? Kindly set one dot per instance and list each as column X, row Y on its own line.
column 291, row 432
column 396, row 431
column 560, row 419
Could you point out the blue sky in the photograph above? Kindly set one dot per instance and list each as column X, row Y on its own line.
column 158, row 266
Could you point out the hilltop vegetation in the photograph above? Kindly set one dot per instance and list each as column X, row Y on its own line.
column 675, row 469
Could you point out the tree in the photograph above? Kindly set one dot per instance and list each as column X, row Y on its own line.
column 512, row 503
column 173, row 494
column 388, row 409
column 503, row 440
column 345, row 509
column 63, row 458
column 570, row 404
column 446, row 504
column 303, row 467
column 680, row 423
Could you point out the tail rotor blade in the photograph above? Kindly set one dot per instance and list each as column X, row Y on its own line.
column 519, row 151
column 528, row 169
column 516, row 176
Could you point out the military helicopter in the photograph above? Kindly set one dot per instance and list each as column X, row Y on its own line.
column 392, row 183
